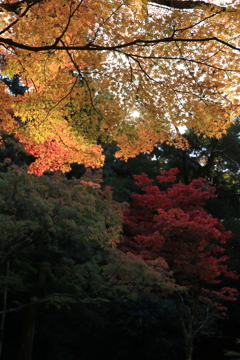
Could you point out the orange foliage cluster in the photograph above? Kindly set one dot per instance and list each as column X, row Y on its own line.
column 91, row 63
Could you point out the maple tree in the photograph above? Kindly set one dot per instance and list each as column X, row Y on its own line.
column 88, row 65
column 172, row 226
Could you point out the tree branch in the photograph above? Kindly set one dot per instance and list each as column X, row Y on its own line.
column 203, row 323
column 17, row 6
column 179, row 298
column 95, row 47
column 176, row 4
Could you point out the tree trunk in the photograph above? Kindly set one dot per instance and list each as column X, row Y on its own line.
column 187, row 329
column 4, row 308
column 189, row 347
column 27, row 336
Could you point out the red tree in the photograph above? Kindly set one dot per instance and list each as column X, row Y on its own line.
column 173, row 225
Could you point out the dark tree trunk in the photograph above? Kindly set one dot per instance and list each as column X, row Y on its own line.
column 187, row 328
column 189, row 347
column 4, row 309
column 27, row 335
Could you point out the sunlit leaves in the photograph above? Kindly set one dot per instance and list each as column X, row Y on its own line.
column 91, row 63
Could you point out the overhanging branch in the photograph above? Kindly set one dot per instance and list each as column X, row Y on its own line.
column 176, row 4
column 90, row 46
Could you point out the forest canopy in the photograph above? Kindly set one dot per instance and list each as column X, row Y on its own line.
column 90, row 65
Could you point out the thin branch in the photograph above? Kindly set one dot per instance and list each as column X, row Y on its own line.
column 106, row 20
column 131, row 70
column 228, row 157
column 142, row 69
column 58, row 39
column 133, row 56
column 203, row 323
column 63, row 98
column 199, row 96
column 20, row 16
column 84, row 80
column 199, row 22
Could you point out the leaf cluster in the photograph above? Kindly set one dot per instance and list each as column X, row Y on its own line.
column 172, row 225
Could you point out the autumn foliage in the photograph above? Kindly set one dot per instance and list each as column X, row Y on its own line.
column 174, row 226
column 89, row 64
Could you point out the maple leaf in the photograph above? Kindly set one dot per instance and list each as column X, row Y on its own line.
column 174, row 226
column 92, row 63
